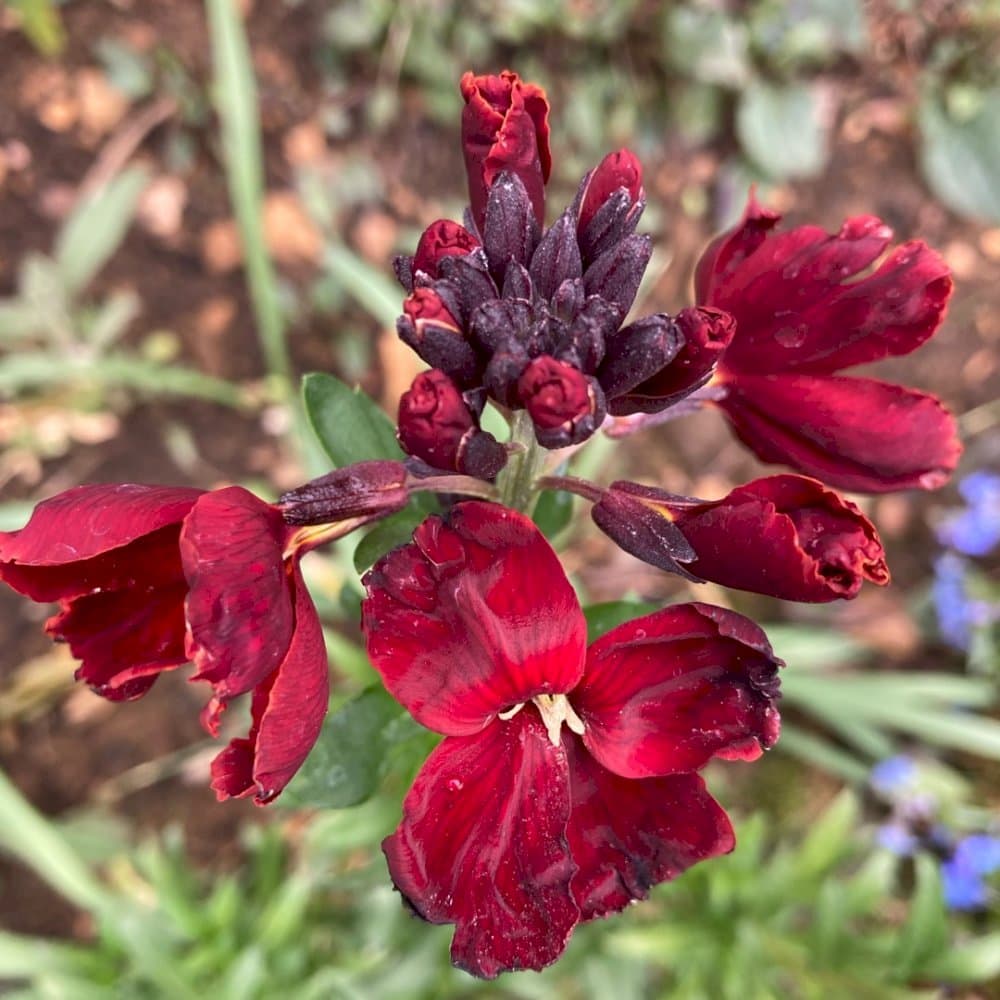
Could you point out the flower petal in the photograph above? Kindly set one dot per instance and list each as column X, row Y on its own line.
column 125, row 638
column 854, row 433
column 799, row 305
column 666, row 692
column 288, row 711
column 627, row 835
column 473, row 617
column 482, row 844
column 239, row 610
column 96, row 537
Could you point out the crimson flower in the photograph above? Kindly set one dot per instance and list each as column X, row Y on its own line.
column 150, row 577
column 786, row 536
column 517, row 829
column 802, row 315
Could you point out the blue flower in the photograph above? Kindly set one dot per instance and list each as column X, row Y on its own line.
column 956, row 612
column 962, row 875
column 975, row 530
column 893, row 775
column 895, row 837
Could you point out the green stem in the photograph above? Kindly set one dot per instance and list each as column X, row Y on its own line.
column 516, row 482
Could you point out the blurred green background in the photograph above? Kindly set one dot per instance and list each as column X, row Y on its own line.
column 200, row 202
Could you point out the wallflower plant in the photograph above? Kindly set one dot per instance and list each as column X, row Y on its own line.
column 566, row 784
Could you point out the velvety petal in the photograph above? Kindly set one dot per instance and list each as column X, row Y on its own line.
column 627, row 835
column 482, row 845
column 473, row 617
column 617, row 171
column 441, row 239
column 239, row 610
column 124, row 638
column 666, row 692
column 91, row 537
column 726, row 252
column 288, row 711
column 799, row 304
column 786, row 536
column 505, row 128
column 854, row 433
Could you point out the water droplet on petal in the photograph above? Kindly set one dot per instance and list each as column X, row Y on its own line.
column 792, row 336
column 454, row 785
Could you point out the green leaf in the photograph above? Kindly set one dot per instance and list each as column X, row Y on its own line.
column 820, row 752
column 348, row 423
column 782, row 128
column 974, row 961
column 345, row 765
column 829, row 838
column 925, row 933
column 808, row 648
column 553, row 512
column 40, row 21
column 604, row 617
column 235, row 97
column 96, row 228
column 369, row 287
column 18, row 320
column 961, row 159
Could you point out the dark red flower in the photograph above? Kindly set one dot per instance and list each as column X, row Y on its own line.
column 516, row 829
column 428, row 326
column 150, row 577
column 786, row 536
column 505, row 128
column 802, row 314
column 609, row 203
column 437, row 426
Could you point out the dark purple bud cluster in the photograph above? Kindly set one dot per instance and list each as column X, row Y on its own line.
column 533, row 318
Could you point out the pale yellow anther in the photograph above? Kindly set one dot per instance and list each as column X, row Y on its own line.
column 555, row 709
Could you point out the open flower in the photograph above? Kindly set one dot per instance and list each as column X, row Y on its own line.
column 786, row 536
column 519, row 827
column 150, row 577
column 805, row 309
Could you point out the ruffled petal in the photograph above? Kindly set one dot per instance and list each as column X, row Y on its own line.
column 239, row 610
column 482, row 845
column 627, row 835
column 799, row 304
column 96, row 537
column 854, row 433
column 288, row 710
column 124, row 638
column 473, row 617
column 666, row 692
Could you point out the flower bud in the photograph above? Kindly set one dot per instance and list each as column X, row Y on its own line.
column 705, row 333
column 505, row 127
column 786, row 536
column 616, row 274
column 374, row 488
column 440, row 239
column 432, row 331
column 609, row 203
column 437, row 426
column 565, row 405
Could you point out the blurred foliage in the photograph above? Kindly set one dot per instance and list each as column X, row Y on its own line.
column 810, row 916
column 40, row 21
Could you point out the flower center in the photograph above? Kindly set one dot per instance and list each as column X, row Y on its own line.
column 554, row 709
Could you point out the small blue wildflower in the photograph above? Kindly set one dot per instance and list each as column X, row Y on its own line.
column 892, row 775
column 975, row 530
column 951, row 601
column 963, row 889
column 896, row 838
column 978, row 853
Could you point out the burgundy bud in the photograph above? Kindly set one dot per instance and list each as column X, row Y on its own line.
column 636, row 353
column 367, row 490
column 507, row 361
column 617, row 170
column 432, row 331
column 437, row 426
column 510, row 229
column 565, row 405
column 557, row 258
column 443, row 238
column 616, row 274
column 786, row 536
column 471, row 279
column 505, row 127
column 705, row 334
